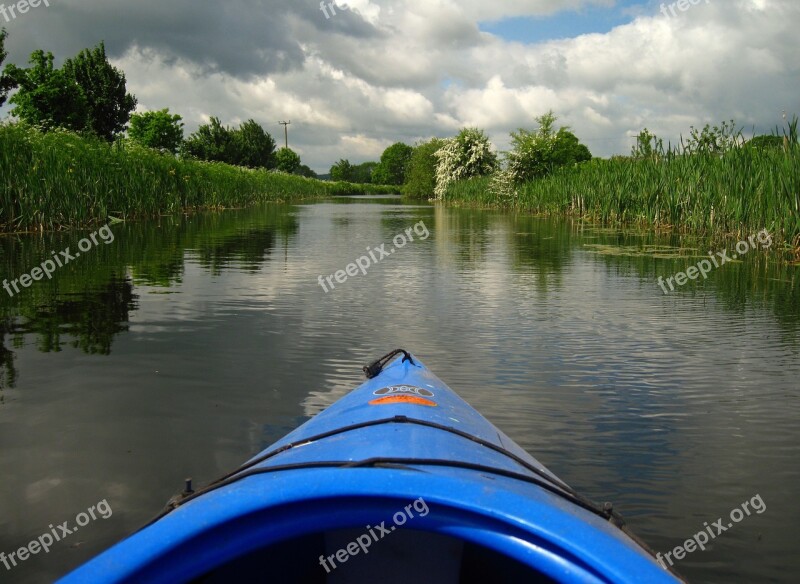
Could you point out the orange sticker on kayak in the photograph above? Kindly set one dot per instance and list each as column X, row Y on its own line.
column 402, row 399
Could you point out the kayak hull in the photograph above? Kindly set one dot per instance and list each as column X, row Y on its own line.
column 402, row 475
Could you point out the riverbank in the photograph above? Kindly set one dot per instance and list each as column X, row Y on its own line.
column 737, row 194
column 59, row 179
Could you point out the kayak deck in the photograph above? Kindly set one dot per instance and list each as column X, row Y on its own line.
column 400, row 478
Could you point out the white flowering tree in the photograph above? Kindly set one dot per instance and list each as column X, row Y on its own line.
column 467, row 155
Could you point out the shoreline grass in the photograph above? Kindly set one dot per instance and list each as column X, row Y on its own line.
column 59, row 179
column 738, row 193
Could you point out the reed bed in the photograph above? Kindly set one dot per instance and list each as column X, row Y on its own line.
column 738, row 193
column 59, row 179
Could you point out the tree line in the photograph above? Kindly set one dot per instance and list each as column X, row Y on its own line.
column 89, row 96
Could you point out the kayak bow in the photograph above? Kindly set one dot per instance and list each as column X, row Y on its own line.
column 400, row 478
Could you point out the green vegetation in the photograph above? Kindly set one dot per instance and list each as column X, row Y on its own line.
column 391, row 170
column 714, row 183
column 86, row 95
column 159, row 130
column 342, row 170
column 741, row 192
column 363, row 173
column 287, row 160
column 421, row 175
column 6, row 83
column 393, row 165
column 248, row 145
column 55, row 179
column 537, row 154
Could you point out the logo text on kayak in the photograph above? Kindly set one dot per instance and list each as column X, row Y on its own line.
column 395, row 389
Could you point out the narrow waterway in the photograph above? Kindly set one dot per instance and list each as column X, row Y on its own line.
column 180, row 347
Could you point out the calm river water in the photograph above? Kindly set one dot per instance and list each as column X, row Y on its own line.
column 188, row 344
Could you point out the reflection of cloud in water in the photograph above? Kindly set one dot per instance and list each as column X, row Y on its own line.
column 39, row 490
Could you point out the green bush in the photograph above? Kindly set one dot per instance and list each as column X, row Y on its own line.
column 421, row 174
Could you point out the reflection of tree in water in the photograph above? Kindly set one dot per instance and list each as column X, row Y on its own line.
column 8, row 373
column 250, row 249
column 91, row 318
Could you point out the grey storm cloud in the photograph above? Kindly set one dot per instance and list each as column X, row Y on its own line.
column 241, row 38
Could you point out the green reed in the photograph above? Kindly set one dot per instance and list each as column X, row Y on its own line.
column 738, row 193
column 56, row 179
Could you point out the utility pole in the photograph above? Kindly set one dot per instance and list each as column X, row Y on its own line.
column 286, row 131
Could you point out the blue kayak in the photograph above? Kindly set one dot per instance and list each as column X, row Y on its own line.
column 399, row 481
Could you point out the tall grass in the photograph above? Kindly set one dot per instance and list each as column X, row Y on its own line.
column 741, row 191
column 56, row 179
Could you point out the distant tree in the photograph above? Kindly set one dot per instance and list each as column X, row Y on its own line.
column 536, row 154
column 342, row 170
column 362, row 173
column 467, row 155
column 305, row 171
column 421, row 173
column 212, row 142
column 568, row 149
column 713, row 140
column 103, row 86
column 47, row 97
column 393, row 165
column 255, row 146
column 766, row 142
column 249, row 145
column 158, row 129
column 6, row 82
column 647, row 145
column 288, row 160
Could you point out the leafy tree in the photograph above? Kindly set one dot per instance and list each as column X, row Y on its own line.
column 648, row 145
column 537, row 154
column 158, row 129
column 47, row 97
column 6, row 82
column 716, row 140
column 393, row 165
column 421, row 172
column 569, row 150
column 255, row 147
column 766, row 142
column 103, row 86
column 249, row 145
column 342, row 170
column 288, row 160
column 305, row 171
column 467, row 155
column 362, row 173
column 212, row 142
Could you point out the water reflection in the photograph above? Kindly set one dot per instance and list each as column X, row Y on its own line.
column 210, row 338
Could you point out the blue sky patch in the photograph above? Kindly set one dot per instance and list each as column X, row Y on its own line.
column 566, row 24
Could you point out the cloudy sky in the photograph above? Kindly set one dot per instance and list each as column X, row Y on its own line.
column 354, row 80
